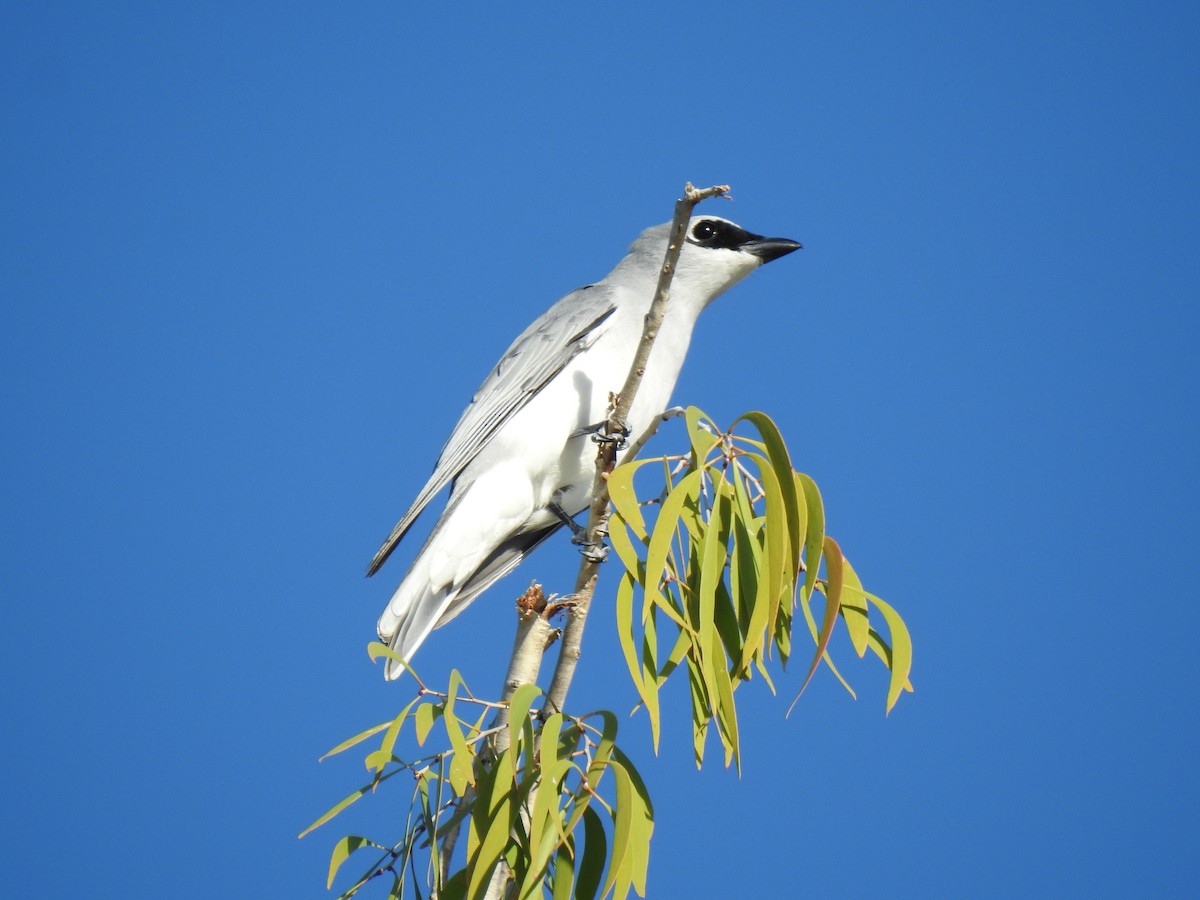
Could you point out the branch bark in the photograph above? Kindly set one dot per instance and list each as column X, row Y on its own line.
column 533, row 637
column 597, row 528
column 534, row 630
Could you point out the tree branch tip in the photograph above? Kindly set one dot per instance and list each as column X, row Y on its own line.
column 694, row 195
column 533, row 600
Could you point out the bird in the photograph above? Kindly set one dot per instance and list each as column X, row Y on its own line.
column 521, row 461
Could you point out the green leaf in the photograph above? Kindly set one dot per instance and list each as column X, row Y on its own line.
column 650, row 672
column 552, row 769
column 854, row 608
column 816, row 635
column 703, row 440
column 710, row 572
column 618, row 537
column 379, row 759
column 568, row 739
column 701, row 710
column 901, row 652
column 595, row 855
column 551, row 739
column 426, row 715
column 647, row 688
column 333, row 811
column 781, row 465
column 357, row 739
column 600, row 756
column 815, row 532
column 604, row 747
column 518, row 713
column 623, row 495
column 461, row 769
column 546, row 817
column 564, row 872
column 748, row 536
column 725, row 709
column 642, row 823
column 625, row 632
column 753, row 593
column 454, row 889
column 619, row 877
column 683, row 642
column 881, row 649
column 377, row 651
column 777, row 549
column 833, row 599
column 669, row 513
column 725, row 612
column 725, row 619
column 635, row 778
column 494, row 816
column 341, row 852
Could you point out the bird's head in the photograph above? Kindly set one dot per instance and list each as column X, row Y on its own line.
column 716, row 254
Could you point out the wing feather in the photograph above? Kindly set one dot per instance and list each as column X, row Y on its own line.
column 540, row 352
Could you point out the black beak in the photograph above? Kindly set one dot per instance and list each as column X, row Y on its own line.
column 767, row 249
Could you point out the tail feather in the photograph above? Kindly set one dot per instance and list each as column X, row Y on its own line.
column 408, row 620
column 406, row 628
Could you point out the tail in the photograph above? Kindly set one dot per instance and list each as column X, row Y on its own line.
column 416, row 608
column 410, row 615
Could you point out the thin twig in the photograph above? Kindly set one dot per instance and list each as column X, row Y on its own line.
column 652, row 429
column 597, row 528
column 534, row 630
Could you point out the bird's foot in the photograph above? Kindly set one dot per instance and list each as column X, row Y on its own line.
column 594, row 552
column 620, row 438
column 601, row 435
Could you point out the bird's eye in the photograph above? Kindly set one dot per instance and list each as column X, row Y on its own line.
column 704, row 231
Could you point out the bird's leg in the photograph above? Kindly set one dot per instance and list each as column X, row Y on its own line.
column 595, row 551
column 578, row 532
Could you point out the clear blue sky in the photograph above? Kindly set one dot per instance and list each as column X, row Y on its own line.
column 255, row 258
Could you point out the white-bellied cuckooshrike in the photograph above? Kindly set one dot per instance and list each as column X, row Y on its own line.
column 521, row 458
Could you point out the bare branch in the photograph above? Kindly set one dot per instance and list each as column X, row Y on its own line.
column 570, row 651
column 533, row 636
column 597, row 528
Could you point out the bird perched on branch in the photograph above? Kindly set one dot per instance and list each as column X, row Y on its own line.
column 521, row 458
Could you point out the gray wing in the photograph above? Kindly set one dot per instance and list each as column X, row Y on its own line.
column 541, row 351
